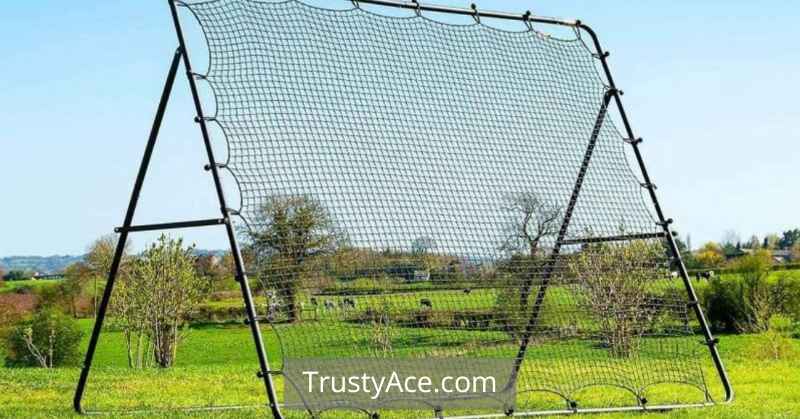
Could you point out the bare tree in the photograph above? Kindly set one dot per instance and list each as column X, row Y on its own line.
column 534, row 219
column 613, row 281
column 43, row 356
column 98, row 260
column 290, row 230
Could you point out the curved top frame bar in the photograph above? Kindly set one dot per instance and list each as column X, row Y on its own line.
column 474, row 12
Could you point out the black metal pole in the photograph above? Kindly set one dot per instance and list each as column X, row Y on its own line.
column 265, row 372
column 562, row 233
column 123, row 237
column 663, row 221
column 172, row 226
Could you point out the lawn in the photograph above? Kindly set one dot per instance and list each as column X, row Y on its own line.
column 216, row 367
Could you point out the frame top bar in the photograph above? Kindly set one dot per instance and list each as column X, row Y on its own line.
column 525, row 17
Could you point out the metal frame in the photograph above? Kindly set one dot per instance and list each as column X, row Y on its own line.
column 181, row 56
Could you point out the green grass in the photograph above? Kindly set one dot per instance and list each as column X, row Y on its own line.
column 12, row 286
column 216, row 364
column 216, row 367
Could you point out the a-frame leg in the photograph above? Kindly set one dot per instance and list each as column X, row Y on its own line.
column 123, row 236
column 128, row 227
column 550, row 265
column 265, row 373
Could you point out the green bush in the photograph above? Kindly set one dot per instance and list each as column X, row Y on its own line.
column 723, row 300
column 776, row 343
column 49, row 339
column 738, row 303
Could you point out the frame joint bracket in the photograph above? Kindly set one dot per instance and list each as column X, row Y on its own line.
column 475, row 14
column 199, row 119
column 208, row 167
column 666, row 223
column 613, row 91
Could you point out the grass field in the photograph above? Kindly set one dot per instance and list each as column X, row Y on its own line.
column 216, row 364
column 13, row 286
column 216, row 367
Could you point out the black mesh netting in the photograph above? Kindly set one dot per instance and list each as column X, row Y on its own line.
column 409, row 190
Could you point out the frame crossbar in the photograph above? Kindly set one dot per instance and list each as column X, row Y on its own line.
column 173, row 226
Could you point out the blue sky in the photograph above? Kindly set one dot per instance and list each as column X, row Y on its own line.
column 712, row 86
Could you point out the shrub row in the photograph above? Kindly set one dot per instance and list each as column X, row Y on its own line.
column 735, row 303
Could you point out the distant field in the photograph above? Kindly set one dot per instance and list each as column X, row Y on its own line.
column 12, row 286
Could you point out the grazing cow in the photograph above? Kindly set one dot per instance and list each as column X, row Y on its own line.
column 348, row 303
column 425, row 303
column 314, row 301
column 329, row 305
column 704, row 275
column 467, row 290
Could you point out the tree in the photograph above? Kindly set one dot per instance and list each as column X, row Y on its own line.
column 757, row 296
column 154, row 300
column 2, row 276
column 754, row 242
column 17, row 275
column 76, row 276
column 422, row 245
column 710, row 255
column 613, row 281
column 771, row 241
column 215, row 269
column 290, row 231
column 796, row 252
column 789, row 238
column 98, row 261
column 532, row 220
column 730, row 238
column 685, row 251
column 48, row 340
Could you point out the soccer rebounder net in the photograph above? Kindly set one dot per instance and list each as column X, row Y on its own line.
column 423, row 193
